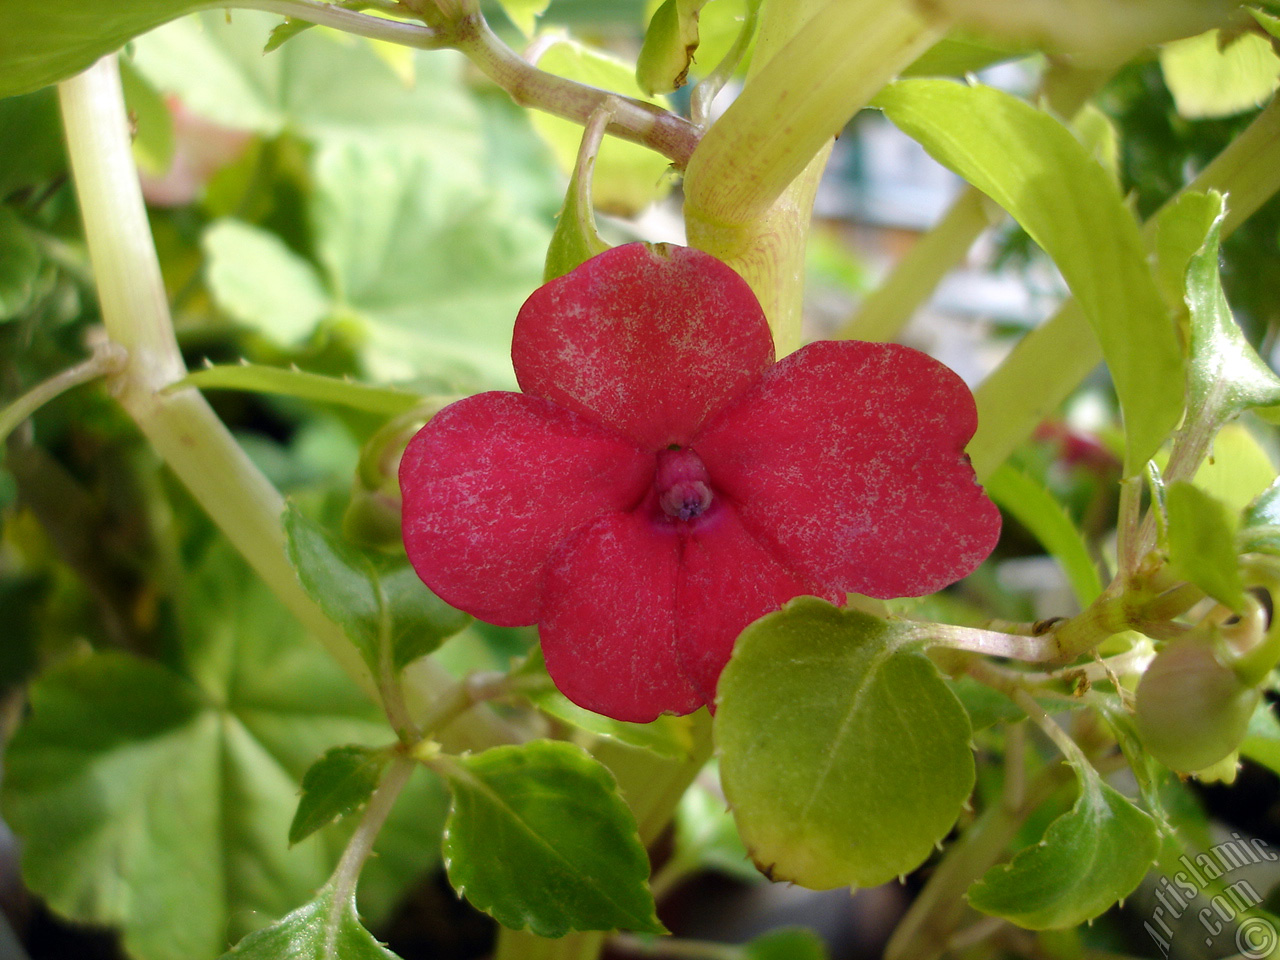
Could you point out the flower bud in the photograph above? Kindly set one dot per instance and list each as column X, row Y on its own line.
column 1193, row 710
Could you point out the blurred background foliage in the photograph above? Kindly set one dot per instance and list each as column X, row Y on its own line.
column 364, row 211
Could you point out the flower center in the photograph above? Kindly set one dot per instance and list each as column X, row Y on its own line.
column 682, row 484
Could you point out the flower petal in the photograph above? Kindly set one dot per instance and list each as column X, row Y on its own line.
column 651, row 340
column 494, row 482
column 848, row 458
column 608, row 623
column 727, row 580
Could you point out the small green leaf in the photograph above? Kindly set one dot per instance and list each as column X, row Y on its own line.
column 1090, row 857
column 1180, row 231
column 628, row 177
column 384, row 401
column 1039, row 512
column 1225, row 375
column 153, row 141
column 795, row 943
column 1262, row 742
column 376, row 603
column 321, row 930
column 1033, row 166
column 1202, row 538
column 844, row 755
column 985, row 706
column 262, row 283
column 670, row 42
column 339, row 782
column 539, row 837
column 1214, row 75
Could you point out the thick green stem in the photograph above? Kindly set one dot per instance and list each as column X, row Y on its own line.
column 182, row 428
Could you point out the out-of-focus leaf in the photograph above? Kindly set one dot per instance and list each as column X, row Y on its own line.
column 338, row 783
column 262, row 283
column 44, row 41
column 1033, row 166
column 319, row 85
column 378, row 605
column 707, row 836
column 31, row 150
column 525, row 13
column 855, row 713
column 1202, row 543
column 320, row 930
column 1261, row 522
column 1225, row 375
column 1090, row 857
column 153, row 141
column 1039, row 512
column 159, row 801
column 1237, row 469
column 21, row 266
column 628, row 177
column 1214, row 75
column 384, row 401
column 539, row 837
column 787, row 944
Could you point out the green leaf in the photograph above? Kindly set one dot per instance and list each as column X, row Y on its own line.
column 1202, row 543
column 843, row 753
column 1225, row 374
column 377, row 604
column 1036, row 509
column 1214, row 75
column 628, row 177
column 21, row 267
column 1261, row 523
column 1262, row 742
column 707, row 836
column 323, row 929
column 31, row 148
column 985, row 706
column 153, row 139
column 524, row 13
column 960, row 54
column 1034, row 167
column 670, row 42
column 262, row 283
column 1090, row 857
column 321, row 85
column 338, row 783
column 159, row 801
column 44, row 41
column 1238, row 469
column 539, row 837
column 384, row 401
column 1180, row 232
column 434, row 265
column 796, row 943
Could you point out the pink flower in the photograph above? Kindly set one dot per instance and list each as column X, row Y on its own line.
column 662, row 482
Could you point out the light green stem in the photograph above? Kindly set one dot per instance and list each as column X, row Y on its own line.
column 182, row 428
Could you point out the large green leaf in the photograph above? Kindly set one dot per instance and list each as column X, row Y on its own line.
column 1090, row 857
column 159, row 801
column 381, row 604
column 43, row 41
column 539, row 837
column 1225, row 375
column 1035, row 168
column 323, row 929
column 320, row 85
column 844, row 755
